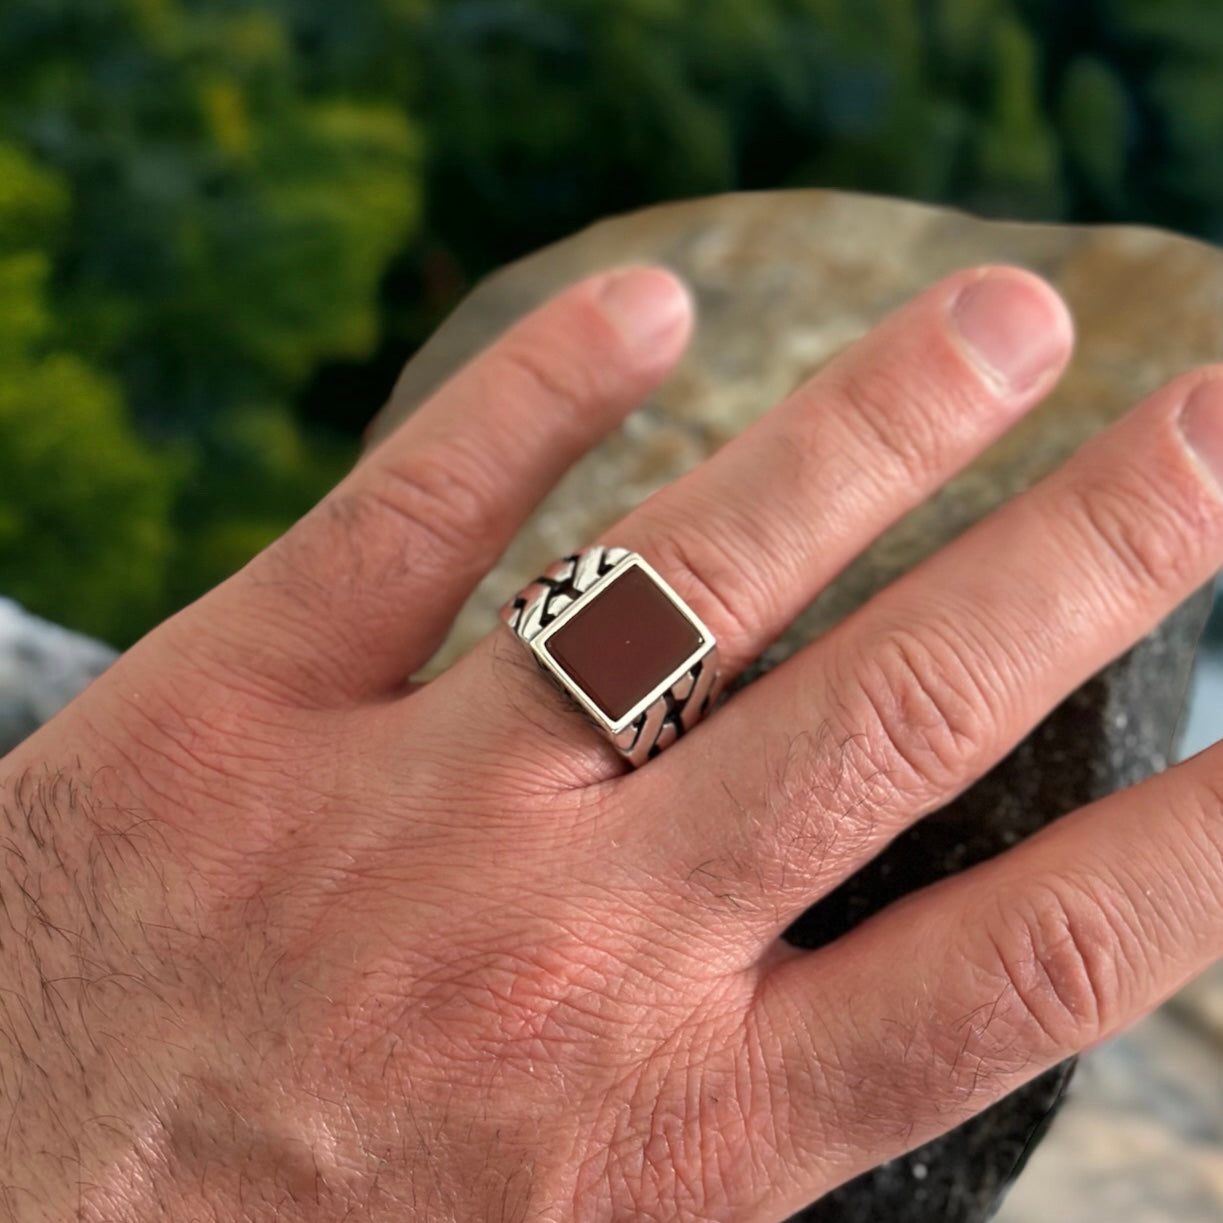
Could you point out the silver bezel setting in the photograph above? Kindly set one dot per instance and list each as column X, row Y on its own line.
column 539, row 647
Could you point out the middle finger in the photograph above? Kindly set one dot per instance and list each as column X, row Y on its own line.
column 751, row 536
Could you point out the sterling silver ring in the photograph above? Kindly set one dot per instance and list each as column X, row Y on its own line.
column 609, row 631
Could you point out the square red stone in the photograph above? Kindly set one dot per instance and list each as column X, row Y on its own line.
column 625, row 642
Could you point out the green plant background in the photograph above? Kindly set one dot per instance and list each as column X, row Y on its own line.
column 224, row 226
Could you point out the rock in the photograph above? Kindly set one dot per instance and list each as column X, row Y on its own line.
column 1141, row 1137
column 1200, row 1007
column 42, row 667
column 784, row 281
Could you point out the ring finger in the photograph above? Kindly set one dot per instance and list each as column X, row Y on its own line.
column 750, row 537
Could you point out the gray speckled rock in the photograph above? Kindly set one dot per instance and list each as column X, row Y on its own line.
column 42, row 667
column 783, row 282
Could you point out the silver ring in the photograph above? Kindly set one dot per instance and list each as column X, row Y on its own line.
column 609, row 631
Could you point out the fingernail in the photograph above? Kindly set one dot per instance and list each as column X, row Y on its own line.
column 1014, row 328
column 645, row 304
column 1202, row 426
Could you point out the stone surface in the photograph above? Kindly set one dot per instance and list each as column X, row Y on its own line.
column 1141, row 1137
column 1200, row 1007
column 783, row 282
column 42, row 667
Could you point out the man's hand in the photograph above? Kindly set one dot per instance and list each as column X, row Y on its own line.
column 288, row 938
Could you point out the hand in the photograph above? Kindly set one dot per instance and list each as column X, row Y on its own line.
column 286, row 937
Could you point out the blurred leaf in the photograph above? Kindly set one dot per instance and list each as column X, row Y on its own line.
column 198, row 231
column 1094, row 121
column 84, row 504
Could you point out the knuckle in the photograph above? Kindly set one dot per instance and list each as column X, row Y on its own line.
column 438, row 505
column 526, row 372
column 911, row 448
column 1052, row 960
column 709, row 574
column 1138, row 529
column 930, row 706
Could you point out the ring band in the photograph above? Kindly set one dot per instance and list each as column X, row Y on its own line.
column 606, row 628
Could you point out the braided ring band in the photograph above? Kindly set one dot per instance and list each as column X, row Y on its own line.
column 606, row 628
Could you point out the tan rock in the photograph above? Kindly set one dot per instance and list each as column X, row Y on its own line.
column 784, row 281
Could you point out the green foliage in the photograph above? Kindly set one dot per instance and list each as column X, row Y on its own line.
column 84, row 505
column 1134, row 88
column 1094, row 118
column 224, row 223
column 232, row 228
column 545, row 114
column 229, row 227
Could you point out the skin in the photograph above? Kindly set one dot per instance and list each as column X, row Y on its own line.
column 288, row 937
